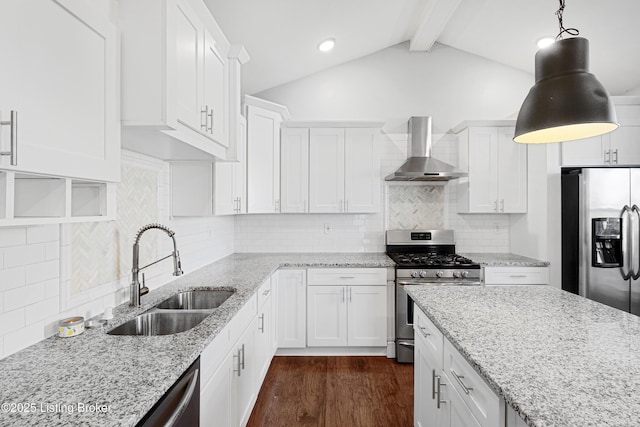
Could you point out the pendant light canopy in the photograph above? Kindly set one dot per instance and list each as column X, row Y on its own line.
column 567, row 102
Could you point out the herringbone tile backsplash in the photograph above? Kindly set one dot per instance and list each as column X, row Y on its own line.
column 416, row 207
column 101, row 251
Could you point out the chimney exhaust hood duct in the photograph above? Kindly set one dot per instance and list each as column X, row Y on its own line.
column 420, row 166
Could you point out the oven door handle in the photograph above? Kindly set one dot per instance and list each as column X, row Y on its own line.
column 433, row 283
column 406, row 343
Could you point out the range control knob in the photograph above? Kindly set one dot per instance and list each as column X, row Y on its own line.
column 414, row 274
column 423, row 274
column 439, row 273
column 457, row 274
column 464, row 274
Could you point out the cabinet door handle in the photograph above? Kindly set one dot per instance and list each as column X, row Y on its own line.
column 439, row 385
column 277, row 205
column 237, row 355
column 242, row 351
column 615, row 159
column 266, row 292
column 433, row 384
column 13, row 150
column 261, row 327
column 607, row 157
column 459, row 378
column 495, row 205
column 203, row 117
column 210, row 116
column 423, row 331
column 502, row 205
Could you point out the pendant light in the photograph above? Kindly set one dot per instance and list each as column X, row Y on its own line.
column 567, row 102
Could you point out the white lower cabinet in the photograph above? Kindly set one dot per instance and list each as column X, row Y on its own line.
column 346, row 307
column 447, row 391
column 264, row 330
column 292, row 308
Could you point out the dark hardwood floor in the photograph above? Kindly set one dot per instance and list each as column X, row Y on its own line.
column 335, row 391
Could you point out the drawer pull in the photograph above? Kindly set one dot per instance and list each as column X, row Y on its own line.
column 423, row 330
column 517, row 276
column 347, row 277
column 266, row 292
column 459, row 378
column 438, row 385
column 433, row 384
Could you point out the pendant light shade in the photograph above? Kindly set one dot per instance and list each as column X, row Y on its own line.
column 567, row 102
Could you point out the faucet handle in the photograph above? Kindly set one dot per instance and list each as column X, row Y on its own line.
column 144, row 290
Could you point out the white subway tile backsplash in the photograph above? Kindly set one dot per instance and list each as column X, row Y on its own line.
column 23, row 296
column 17, row 340
column 52, row 250
column 12, row 236
column 25, row 255
column 42, row 310
column 12, row 278
column 43, row 233
column 43, row 271
column 12, row 320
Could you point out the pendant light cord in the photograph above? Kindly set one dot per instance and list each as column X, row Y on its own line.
column 570, row 31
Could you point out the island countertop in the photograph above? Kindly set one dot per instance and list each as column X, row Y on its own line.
column 120, row 378
column 558, row 359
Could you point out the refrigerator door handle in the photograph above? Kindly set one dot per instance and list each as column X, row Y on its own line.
column 635, row 243
column 626, row 239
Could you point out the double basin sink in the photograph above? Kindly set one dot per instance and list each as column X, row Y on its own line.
column 175, row 314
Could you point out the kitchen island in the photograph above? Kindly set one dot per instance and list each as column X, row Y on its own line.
column 118, row 379
column 556, row 358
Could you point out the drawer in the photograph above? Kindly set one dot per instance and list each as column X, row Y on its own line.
column 347, row 276
column 484, row 404
column 264, row 292
column 429, row 335
column 242, row 319
column 516, row 275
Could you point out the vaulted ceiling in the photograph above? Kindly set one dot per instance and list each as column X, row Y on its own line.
column 281, row 36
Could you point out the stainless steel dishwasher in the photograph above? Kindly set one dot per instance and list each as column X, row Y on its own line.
column 180, row 406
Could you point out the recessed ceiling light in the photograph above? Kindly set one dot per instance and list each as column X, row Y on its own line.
column 327, row 45
column 545, row 41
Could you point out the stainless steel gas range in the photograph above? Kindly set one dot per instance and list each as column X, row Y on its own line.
column 424, row 258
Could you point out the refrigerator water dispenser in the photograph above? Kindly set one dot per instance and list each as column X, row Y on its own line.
column 606, row 245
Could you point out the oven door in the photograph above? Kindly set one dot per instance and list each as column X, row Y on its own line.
column 404, row 325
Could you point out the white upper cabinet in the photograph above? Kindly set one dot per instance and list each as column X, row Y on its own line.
column 175, row 76
column 60, row 78
column 294, row 170
column 263, row 154
column 497, row 166
column 619, row 147
column 330, row 169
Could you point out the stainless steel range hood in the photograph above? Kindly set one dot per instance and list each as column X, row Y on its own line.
column 420, row 166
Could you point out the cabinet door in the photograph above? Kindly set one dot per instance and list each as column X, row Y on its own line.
column 512, row 173
column 624, row 146
column 426, row 367
column 294, row 177
column 263, row 160
column 585, row 152
column 192, row 188
column 362, row 170
column 245, row 381
column 224, row 203
column 327, row 316
column 214, row 91
column 459, row 413
column 292, row 308
column 216, row 397
column 367, row 316
column 483, row 169
column 60, row 75
column 264, row 335
column 189, row 34
column 326, row 170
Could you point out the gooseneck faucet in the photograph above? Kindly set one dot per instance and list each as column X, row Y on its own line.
column 135, row 290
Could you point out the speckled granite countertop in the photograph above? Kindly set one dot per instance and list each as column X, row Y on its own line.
column 558, row 359
column 504, row 259
column 131, row 373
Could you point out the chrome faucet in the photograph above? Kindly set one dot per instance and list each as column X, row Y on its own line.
column 135, row 290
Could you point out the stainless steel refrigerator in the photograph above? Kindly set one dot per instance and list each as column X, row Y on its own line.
column 601, row 235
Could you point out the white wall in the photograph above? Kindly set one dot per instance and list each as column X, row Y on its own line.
column 393, row 84
column 35, row 289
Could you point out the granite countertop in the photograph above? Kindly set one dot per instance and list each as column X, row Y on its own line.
column 558, row 359
column 504, row 259
column 124, row 376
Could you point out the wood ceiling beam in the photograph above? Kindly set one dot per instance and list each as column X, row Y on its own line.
column 434, row 18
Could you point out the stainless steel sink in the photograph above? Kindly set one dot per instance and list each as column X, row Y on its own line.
column 160, row 323
column 205, row 299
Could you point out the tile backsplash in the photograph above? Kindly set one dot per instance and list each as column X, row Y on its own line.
column 415, row 207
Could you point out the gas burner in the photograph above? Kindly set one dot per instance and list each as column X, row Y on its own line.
column 430, row 260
